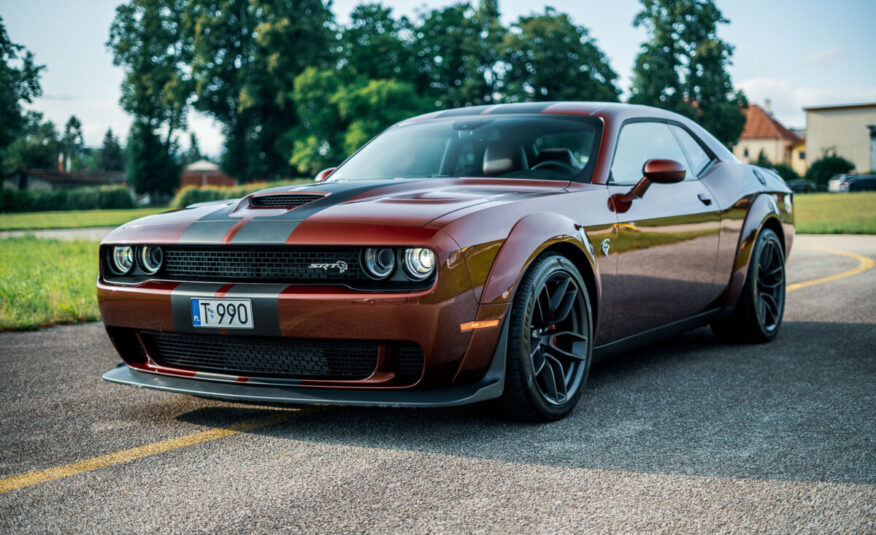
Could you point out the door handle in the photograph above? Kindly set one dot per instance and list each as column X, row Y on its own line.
column 704, row 198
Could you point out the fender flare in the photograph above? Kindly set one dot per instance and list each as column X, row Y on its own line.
column 528, row 239
column 762, row 209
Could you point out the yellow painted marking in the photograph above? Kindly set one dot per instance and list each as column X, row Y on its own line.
column 864, row 264
column 123, row 456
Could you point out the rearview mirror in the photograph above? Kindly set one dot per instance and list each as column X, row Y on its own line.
column 657, row 171
column 323, row 175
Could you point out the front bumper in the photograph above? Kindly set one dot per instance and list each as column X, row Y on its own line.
column 489, row 387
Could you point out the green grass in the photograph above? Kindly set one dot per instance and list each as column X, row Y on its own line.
column 836, row 213
column 72, row 219
column 46, row 282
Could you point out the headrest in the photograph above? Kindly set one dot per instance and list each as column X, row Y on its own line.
column 501, row 158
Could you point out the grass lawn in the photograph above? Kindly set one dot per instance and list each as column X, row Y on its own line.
column 72, row 219
column 44, row 282
column 836, row 213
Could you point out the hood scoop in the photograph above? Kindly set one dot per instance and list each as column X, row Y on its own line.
column 285, row 201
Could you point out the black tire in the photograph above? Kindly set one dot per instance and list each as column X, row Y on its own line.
column 553, row 295
column 757, row 317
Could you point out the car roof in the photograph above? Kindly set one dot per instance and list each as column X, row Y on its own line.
column 613, row 109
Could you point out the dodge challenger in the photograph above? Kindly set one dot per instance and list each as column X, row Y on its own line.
column 473, row 254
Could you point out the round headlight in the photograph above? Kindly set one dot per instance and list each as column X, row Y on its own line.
column 379, row 262
column 122, row 259
column 419, row 262
column 151, row 257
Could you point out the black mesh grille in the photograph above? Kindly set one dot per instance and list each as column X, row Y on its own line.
column 283, row 200
column 276, row 357
column 262, row 263
column 409, row 360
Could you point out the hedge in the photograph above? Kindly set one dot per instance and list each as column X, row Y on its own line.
column 102, row 197
column 194, row 194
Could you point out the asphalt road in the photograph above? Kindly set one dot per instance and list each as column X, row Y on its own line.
column 688, row 435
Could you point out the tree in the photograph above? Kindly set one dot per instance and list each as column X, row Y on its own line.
column 193, row 154
column 337, row 118
column 19, row 83
column 824, row 168
column 73, row 145
column 551, row 58
column 457, row 50
column 36, row 147
column 683, row 66
column 146, row 40
column 246, row 55
column 376, row 46
column 111, row 157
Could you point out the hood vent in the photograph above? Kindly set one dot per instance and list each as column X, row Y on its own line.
column 283, row 200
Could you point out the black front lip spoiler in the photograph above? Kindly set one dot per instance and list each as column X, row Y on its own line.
column 490, row 387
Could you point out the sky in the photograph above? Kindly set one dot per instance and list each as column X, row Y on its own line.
column 796, row 53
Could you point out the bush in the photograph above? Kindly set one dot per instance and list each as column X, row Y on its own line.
column 786, row 171
column 827, row 166
column 194, row 194
column 94, row 198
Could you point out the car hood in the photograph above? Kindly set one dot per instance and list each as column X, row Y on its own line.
column 403, row 203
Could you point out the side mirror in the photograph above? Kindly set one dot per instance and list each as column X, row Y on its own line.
column 324, row 174
column 657, row 171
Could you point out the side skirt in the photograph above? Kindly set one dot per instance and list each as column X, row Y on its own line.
column 657, row 333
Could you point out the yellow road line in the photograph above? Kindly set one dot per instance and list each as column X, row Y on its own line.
column 864, row 263
column 123, row 456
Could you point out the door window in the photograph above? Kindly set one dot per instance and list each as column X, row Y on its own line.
column 697, row 156
column 640, row 142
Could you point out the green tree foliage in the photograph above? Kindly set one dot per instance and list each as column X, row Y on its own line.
column 786, row 171
column 73, row 145
column 111, row 156
column 376, row 46
column 146, row 38
column 824, row 168
column 151, row 166
column 36, row 147
column 457, row 52
column 246, row 55
column 193, row 153
column 337, row 117
column 19, row 83
column 551, row 58
column 683, row 65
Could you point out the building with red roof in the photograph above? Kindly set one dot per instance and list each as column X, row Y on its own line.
column 763, row 133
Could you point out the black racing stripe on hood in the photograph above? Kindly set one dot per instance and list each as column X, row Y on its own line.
column 210, row 228
column 277, row 229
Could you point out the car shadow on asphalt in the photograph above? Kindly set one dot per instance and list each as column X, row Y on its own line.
column 798, row 409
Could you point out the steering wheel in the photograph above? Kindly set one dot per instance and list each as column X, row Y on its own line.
column 556, row 164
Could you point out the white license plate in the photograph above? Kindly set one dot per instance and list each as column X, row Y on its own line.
column 222, row 313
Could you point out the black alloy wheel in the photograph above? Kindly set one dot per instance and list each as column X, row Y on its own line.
column 550, row 341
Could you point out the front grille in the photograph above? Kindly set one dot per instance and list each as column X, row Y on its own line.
column 283, row 200
column 262, row 263
column 266, row 357
column 408, row 360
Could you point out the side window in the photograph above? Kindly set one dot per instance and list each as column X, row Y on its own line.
column 697, row 156
column 640, row 142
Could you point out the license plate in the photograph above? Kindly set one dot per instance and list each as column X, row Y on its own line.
column 222, row 313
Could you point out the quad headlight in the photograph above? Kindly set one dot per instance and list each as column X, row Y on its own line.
column 419, row 262
column 150, row 258
column 122, row 259
column 379, row 262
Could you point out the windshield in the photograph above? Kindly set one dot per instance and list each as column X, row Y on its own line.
column 530, row 146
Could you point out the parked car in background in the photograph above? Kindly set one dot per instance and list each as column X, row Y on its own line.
column 833, row 185
column 858, row 183
column 801, row 185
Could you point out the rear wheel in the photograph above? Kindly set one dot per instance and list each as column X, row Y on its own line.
column 758, row 314
column 549, row 342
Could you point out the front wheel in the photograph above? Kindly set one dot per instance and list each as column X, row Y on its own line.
column 549, row 342
column 758, row 314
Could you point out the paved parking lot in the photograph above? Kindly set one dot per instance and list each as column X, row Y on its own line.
column 688, row 435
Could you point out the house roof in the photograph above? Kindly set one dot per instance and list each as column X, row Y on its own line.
column 202, row 165
column 760, row 125
column 841, row 107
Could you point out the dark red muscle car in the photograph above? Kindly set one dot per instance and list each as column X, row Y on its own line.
column 460, row 256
